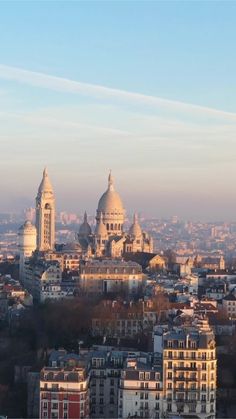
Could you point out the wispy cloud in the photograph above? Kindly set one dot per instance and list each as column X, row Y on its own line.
column 33, row 118
column 66, row 85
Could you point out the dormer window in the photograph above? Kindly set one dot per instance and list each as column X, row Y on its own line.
column 170, row 343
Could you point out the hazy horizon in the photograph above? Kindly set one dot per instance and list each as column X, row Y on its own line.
column 146, row 89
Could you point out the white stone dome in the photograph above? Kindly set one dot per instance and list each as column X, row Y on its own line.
column 111, row 206
column 135, row 229
column 27, row 237
column 85, row 229
column 27, row 227
column 110, row 201
column 100, row 229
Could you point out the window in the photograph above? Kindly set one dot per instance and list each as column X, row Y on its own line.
column 181, row 344
column 169, row 386
column 203, row 408
column 169, row 375
column 147, row 375
column 141, row 376
column 169, row 407
column 192, row 408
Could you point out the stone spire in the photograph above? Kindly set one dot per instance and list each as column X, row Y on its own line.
column 45, row 185
column 110, row 182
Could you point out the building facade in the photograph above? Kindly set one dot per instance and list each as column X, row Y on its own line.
column 140, row 392
column 111, row 276
column 64, row 389
column 189, row 372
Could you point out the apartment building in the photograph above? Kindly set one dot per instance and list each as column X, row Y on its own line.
column 229, row 305
column 140, row 392
column 111, row 276
column 106, row 367
column 189, row 372
column 43, row 279
column 64, row 388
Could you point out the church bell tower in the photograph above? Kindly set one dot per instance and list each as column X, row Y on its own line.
column 45, row 214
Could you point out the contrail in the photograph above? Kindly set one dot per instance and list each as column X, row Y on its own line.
column 86, row 89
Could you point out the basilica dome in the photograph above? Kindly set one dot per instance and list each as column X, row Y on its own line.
column 110, row 205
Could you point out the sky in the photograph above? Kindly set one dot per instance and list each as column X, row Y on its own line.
column 145, row 88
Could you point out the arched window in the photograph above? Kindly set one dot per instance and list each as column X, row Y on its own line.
column 111, row 226
column 115, row 228
column 107, row 226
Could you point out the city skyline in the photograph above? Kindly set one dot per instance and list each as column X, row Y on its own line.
column 159, row 109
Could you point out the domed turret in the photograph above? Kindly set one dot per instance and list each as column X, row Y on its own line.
column 100, row 230
column 85, row 229
column 110, row 205
column 135, row 229
column 27, row 244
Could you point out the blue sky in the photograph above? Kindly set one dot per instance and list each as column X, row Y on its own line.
column 163, row 118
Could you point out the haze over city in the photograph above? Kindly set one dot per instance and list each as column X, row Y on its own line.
column 143, row 88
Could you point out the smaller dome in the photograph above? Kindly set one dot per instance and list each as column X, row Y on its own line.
column 85, row 229
column 100, row 229
column 135, row 229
